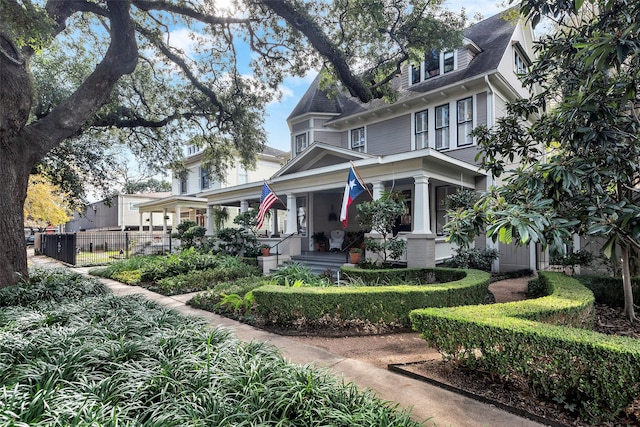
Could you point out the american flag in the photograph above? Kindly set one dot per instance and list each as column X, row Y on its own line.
column 267, row 199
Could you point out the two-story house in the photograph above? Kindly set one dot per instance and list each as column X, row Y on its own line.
column 418, row 145
column 186, row 203
column 118, row 213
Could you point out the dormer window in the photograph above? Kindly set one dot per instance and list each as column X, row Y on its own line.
column 521, row 61
column 301, row 143
column 434, row 64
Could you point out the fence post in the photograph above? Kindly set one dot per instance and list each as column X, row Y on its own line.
column 126, row 245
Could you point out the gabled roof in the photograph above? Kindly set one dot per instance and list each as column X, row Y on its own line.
column 491, row 36
column 319, row 155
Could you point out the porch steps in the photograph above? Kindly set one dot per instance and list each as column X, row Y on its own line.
column 320, row 262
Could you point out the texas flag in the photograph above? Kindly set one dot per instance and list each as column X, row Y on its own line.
column 352, row 190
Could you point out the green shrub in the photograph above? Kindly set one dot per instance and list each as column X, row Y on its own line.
column 598, row 374
column 130, row 277
column 210, row 299
column 379, row 305
column 480, row 259
column 199, row 280
column 296, row 271
column 608, row 290
column 51, row 285
column 111, row 360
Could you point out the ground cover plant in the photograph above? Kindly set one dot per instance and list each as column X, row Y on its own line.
column 81, row 356
column 184, row 272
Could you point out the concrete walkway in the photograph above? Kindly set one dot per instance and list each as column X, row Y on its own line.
column 442, row 408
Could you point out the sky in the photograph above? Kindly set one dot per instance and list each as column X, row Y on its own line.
column 293, row 88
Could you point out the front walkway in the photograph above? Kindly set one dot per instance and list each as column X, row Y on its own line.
column 441, row 407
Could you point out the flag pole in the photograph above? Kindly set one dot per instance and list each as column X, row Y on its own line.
column 360, row 178
column 274, row 193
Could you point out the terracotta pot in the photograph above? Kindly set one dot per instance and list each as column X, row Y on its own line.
column 266, row 251
column 355, row 257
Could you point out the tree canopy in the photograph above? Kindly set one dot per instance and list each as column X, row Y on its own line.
column 576, row 140
column 45, row 204
column 114, row 73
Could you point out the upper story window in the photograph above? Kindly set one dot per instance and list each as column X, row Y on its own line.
column 183, row 185
column 421, row 129
column 192, row 149
column 301, row 142
column 243, row 175
column 133, row 206
column 465, row 121
column 520, row 65
column 205, row 180
column 434, row 64
column 442, row 127
column 357, row 139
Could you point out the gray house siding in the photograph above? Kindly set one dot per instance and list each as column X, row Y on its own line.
column 300, row 127
column 481, row 109
column 467, row 154
column 513, row 257
column 389, row 136
column 330, row 138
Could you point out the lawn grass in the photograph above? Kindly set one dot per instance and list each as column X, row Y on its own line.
column 82, row 356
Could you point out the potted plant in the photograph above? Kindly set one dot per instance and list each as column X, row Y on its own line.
column 355, row 255
column 319, row 240
column 265, row 249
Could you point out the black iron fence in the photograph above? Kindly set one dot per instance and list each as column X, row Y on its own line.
column 104, row 247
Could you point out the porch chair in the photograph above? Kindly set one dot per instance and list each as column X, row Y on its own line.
column 336, row 238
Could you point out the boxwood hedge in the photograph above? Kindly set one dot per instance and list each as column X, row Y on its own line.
column 390, row 305
column 540, row 340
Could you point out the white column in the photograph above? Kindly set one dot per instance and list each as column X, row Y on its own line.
column 150, row 222
column 244, row 206
column 421, row 213
column 141, row 227
column 378, row 189
column 292, row 214
column 176, row 220
column 164, row 220
column 209, row 220
column 274, row 222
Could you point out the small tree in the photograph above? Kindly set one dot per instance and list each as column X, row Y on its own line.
column 189, row 233
column 241, row 241
column 381, row 216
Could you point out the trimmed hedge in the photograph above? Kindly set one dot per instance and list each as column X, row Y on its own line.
column 390, row 305
column 608, row 290
column 423, row 276
column 599, row 374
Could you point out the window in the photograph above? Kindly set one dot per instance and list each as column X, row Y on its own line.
column 441, row 207
column 448, row 62
column 422, row 136
column 431, row 64
column 133, row 206
column 205, row 181
column 415, row 74
column 520, row 65
column 183, row 185
column 442, row 127
column 465, row 121
column 301, row 143
column 243, row 175
column 357, row 140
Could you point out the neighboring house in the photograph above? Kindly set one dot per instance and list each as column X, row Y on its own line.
column 119, row 213
column 418, row 145
column 185, row 202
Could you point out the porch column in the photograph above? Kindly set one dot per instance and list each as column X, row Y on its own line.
column 421, row 242
column 150, row 222
column 244, row 206
column 378, row 189
column 164, row 221
column 292, row 214
column 292, row 245
column 141, row 222
column 176, row 220
column 209, row 220
column 421, row 212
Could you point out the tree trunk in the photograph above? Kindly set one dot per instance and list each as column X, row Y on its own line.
column 13, row 261
column 22, row 145
column 629, row 310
